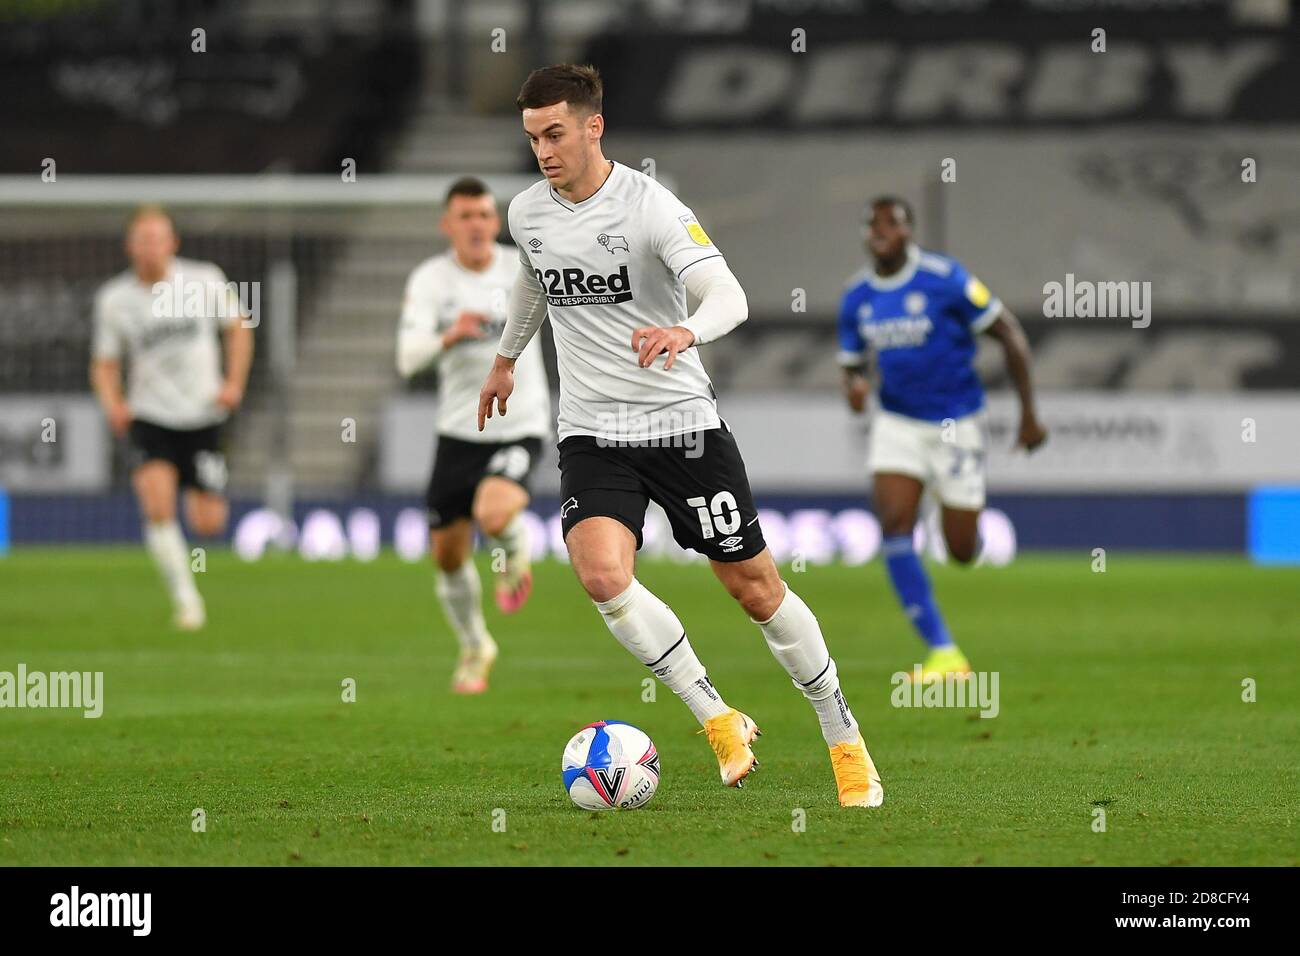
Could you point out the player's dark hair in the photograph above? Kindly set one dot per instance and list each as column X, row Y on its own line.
column 891, row 201
column 579, row 86
column 470, row 186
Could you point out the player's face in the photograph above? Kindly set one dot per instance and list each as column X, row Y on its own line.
column 150, row 245
column 888, row 232
column 563, row 141
column 472, row 224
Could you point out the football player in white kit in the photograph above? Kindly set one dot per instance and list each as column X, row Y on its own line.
column 164, row 316
column 610, row 254
column 452, row 317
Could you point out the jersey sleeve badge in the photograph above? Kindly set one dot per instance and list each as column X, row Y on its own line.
column 977, row 292
column 695, row 231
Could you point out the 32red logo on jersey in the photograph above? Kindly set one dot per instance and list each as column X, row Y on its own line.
column 576, row 287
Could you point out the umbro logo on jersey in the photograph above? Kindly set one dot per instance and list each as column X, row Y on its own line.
column 567, row 507
column 534, row 244
column 613, row 244
column 576, row 287
column 734, row 543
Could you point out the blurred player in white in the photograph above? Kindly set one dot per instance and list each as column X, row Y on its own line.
column 166, row 318
column 610, row 254
column 452, row 317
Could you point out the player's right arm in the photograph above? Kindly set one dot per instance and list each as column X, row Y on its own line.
column 524, row 317
column 106, row 370
column 853, row 354
column 419, row 343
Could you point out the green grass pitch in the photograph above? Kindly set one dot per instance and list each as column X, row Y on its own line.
column 1120, row 690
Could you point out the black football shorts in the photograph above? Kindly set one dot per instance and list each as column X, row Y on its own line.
column 698, row 479
column 459, row 466
column 196, row 453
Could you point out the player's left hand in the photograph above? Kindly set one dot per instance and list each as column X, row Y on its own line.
column 651, row 341
column 229, row 396
column 1032, row 433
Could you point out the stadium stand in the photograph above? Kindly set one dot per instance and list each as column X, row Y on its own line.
column 317, row 81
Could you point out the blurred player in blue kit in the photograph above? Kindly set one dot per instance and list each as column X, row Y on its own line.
column 918, row 313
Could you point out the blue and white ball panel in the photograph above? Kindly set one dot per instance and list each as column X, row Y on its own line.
column 610, row 764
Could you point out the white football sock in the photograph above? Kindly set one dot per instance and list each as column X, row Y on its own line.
column 513, row 539
column 648, row 628
column 167, row 546
column 461, row 595
column 795, row 639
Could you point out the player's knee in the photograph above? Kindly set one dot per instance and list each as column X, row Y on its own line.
column 963, row 555
column 604, row 582
column 492, row 519
column 209, row 521
column 208, row 526
column 761, row 601
column 760, row 596
column 963, row 551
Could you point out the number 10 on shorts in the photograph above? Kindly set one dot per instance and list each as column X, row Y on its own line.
column 721, row 514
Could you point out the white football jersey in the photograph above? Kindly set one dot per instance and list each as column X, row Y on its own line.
column 608, row 266
column 166, row 335
column 438, row 291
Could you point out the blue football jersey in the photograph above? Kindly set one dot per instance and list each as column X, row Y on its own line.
column 921, row 322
